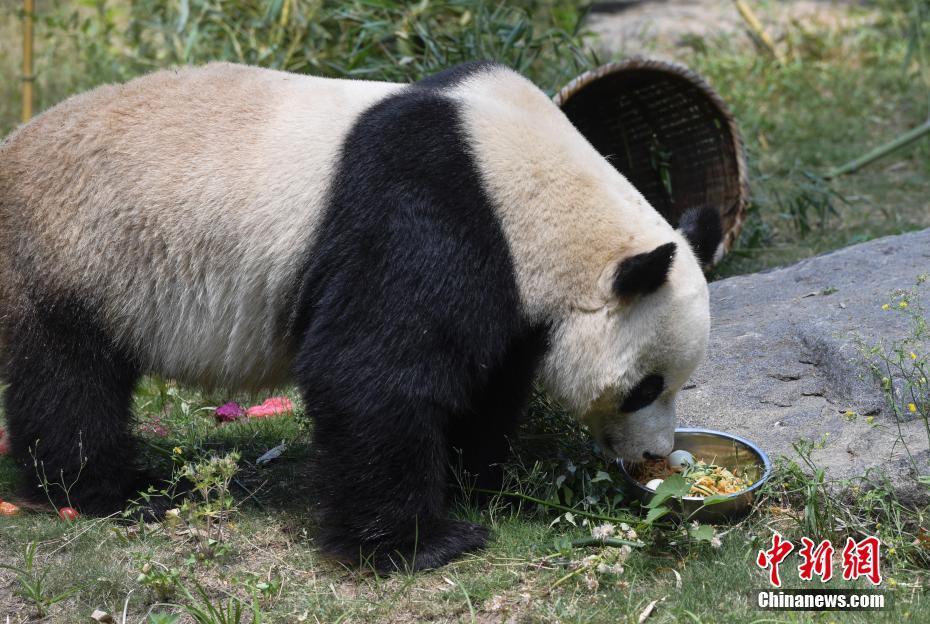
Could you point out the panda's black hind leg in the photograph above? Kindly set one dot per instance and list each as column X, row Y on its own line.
column 67, row 409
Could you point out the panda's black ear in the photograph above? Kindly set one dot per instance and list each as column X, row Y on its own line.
column 702, row 228
column 644, row 273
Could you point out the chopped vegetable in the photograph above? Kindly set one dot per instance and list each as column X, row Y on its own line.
column 706, row 479
column 69, row 514
column 8, row 509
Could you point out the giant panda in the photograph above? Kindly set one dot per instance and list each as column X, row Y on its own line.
column 411, row 256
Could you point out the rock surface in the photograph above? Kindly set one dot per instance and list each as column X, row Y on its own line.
column 784, row 365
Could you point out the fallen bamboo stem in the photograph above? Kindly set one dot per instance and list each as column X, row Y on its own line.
column 883, row 150
column 577, row 512
column 757, row 28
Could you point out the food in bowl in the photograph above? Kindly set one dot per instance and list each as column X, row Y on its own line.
column 705, row 478
column 741, row 457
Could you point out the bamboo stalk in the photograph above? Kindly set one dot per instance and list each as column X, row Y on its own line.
column 883, row 150
column 28, row 78
column 757, row 28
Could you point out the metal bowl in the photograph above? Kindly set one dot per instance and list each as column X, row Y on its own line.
column 723, row 449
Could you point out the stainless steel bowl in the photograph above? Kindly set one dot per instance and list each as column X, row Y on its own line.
column 724, row 450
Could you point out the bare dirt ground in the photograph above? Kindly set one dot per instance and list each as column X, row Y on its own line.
column 662, row 26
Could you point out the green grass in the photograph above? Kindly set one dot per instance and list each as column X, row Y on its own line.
column 268, row 543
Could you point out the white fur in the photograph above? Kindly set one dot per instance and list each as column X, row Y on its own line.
column 225, row 327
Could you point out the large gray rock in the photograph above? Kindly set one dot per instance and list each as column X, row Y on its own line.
column 784, row 365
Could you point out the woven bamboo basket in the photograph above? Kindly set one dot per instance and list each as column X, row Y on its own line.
column 668, row 133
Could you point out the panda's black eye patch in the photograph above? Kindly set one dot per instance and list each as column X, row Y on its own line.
column 643, row 393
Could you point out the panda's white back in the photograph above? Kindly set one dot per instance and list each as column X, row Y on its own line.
column 180, row 204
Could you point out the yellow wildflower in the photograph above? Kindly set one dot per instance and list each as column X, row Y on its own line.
column 885, row 306
column 911, row 408
column 913, row 355
column 870, row 419
column 903, row 304
column 178, row 450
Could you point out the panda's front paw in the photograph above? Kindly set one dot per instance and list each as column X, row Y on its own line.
column 435, row 546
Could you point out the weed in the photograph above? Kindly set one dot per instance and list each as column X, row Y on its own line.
column 902, row 366
column 159, row 578
column 207, row 515
column 32, row 586
column 46, row 485
column 267, row 588
column 205, row 610
column 834, row 509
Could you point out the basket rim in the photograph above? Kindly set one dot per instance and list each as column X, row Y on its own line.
column 577, row 84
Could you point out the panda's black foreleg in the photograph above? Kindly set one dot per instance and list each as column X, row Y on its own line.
column 380, row 487
column 67, row 409
column 482, row 442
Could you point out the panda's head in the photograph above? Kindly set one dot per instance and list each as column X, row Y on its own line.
column 620, row 366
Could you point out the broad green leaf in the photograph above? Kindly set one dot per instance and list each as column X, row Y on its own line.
column 673, row 487
column 655, row 513
column 702, row 533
